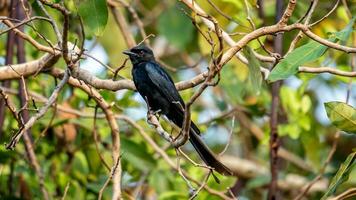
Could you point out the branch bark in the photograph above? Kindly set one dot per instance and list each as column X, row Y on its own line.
column 110, row 117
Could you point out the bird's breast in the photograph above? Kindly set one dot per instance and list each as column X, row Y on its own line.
column 149, row 91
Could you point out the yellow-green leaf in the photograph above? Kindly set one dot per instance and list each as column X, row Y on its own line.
column 255, row 77
column 289, row 65
column 342, row 116
column 176, row 27
column 306, row 53
column 95, row 16
column 342, row 174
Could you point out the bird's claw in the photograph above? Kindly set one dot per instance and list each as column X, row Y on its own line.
column 153, row 113
column 156, row 113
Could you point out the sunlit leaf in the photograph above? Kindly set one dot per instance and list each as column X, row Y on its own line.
column 293, row 130
column 176, row 27
column 93, row 159
column 255, row 76
column 342, row 174
column 306, row 53
column 342, row 116
column 95, row 16
column 344, row 34
column 289, row 65
column 137, row 155
column 290, row 100
column 306, row 104
column 80, row 167
column 258, row 181
column 231, row 84
column 238, row 4
column 172, row 195
column 253, row 2
column 160, row 180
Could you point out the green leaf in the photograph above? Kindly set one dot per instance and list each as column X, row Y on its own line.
column 342, row 174
column 306, row 53
column 159, row 180
column 93, row 159
column 137, row 155
column 290, row 100
column 342, row 115
column 237, row 4
column 306, row 104
column 255, row 77
column 258, row 181
column 80, row 168
column 289, row 65
column 253, row 2
column 173, row 195
column 176, row 27
column 232, row 85
column 345, row 33
column 293, row 130
column 95, row 16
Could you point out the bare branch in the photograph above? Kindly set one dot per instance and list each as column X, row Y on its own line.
column 30, row 39
column 318, row 70
column 17, row 71
column 288, row 12
column 112, row 174
column 110, row 117
column 14, row 140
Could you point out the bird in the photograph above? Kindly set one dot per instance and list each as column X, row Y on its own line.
column 157, row 88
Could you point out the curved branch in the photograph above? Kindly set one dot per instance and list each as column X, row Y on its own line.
column 318, row 70
column 9, row 72
column 30, row 39
column 325, row 42
column 98, row 83
column 110, row 117
column 51, row 100
column 194, row 6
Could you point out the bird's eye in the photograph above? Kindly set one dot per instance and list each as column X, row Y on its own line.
column 141, row 52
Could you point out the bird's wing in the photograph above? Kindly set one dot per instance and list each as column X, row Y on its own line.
column 164, row 83
column 166, row 87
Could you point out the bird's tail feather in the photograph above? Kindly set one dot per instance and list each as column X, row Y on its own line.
column 204, row 152
column 207, row 155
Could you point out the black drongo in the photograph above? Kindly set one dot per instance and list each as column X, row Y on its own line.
column 157, row 88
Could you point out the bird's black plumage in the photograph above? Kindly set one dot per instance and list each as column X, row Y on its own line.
column 158, row 89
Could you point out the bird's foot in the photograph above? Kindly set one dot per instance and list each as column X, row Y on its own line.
column 156, row 113
column 151, row 113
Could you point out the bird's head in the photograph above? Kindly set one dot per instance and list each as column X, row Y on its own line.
column 140, row 53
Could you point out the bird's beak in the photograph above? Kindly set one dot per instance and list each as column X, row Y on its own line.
column 129, row 53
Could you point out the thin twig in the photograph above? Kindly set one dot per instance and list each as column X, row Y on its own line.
column 307, row 16
column 205, row 180
column 112, row 173
column 345, row 195
column 322, row 170
column 192, row 161
column 137, row 20
column 14, row 140
column 109, row 115
column 54, row 24
column 22, row 22
column 101, row 63
column 96, row 141
column 186, row 180
column 164, row 155
column 319, row 70
column 65, row 191
column 327, row 15
column 229, row 138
